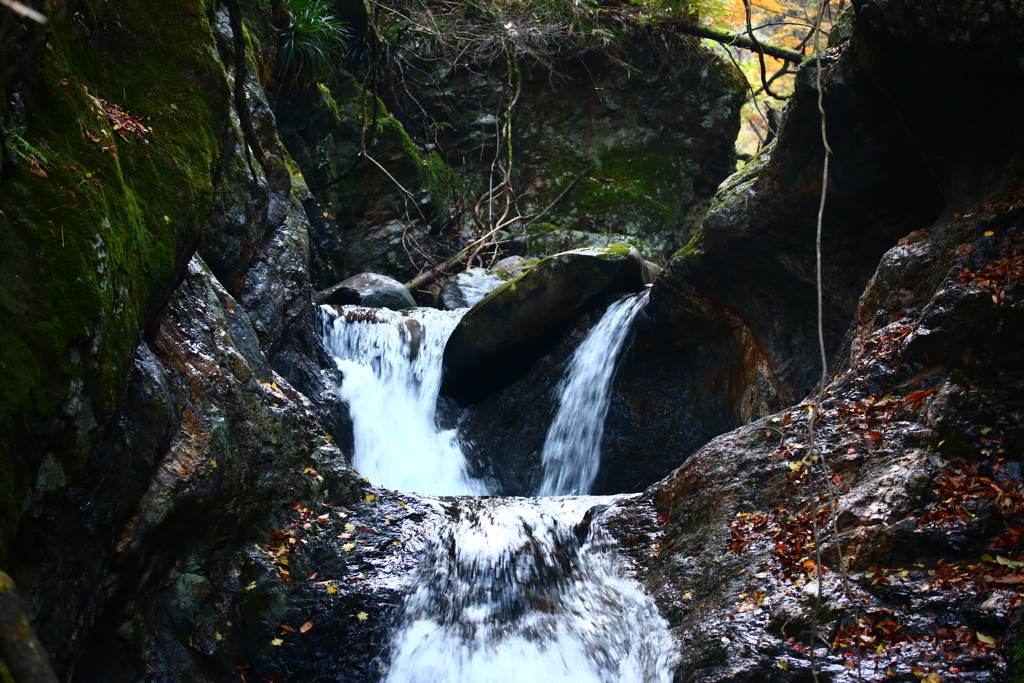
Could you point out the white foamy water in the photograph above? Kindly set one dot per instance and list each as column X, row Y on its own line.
column 572, row 450
column 521, row 589
column 392, row 366
column 509, row 590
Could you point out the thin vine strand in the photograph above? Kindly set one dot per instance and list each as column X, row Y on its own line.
column 815, row 406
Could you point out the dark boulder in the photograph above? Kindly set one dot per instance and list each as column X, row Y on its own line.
column 370, row 291
column 338, row 295
column 501, row 336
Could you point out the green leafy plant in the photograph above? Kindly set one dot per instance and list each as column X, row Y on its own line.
column 310, row 44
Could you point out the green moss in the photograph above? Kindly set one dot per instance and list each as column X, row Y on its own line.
column 842, row 30
column 617, row 250
column 742, row 179
column 427, row 176
column 632, row 191
column 328, row 101
column 91, row 251
column 691, row 247
column 538, row 228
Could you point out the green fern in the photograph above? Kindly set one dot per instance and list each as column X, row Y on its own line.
column 25, row 150
column 310, row 44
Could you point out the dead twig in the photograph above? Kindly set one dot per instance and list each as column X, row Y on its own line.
column 765, row 83
column 560, row 196
column 24, row 10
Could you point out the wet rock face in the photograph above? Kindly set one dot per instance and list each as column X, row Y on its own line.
column 212, row 450
column 517, row 322
column 750, row 271
column 919, row 492
column 658, row 414
column 258, row 244
column 921, row 427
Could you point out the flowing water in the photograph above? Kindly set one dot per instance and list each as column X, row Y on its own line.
column 513, row 589
column 391, row 363
column 528, row 589
column 572, row 450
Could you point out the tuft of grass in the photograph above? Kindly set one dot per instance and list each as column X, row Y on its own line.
column 310, row 44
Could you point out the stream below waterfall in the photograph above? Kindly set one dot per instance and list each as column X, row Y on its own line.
column 510, row 588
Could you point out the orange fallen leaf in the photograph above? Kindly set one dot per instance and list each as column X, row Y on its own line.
column 305, row 627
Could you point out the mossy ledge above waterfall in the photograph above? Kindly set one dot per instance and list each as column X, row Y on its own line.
column 500, row 337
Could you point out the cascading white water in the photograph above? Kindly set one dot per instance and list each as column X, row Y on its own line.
column 514, row 589
column 572, row 450
column 391, row 363
column 517, row 590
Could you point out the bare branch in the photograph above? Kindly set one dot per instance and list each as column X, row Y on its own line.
column 737, row 40
column 24, row 10
column 766, row 84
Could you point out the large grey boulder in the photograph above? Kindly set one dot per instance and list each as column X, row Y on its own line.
column 370, row 290
column 500, row 337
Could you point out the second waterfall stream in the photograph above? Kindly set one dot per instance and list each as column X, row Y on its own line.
column 512, row 589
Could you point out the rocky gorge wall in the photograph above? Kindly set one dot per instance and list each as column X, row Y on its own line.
column 916, row 487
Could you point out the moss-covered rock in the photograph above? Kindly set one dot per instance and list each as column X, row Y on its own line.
column 514, row 324
column 380, row 201
column 546, row 239
column 467, row 288
column 651, row 135
column 96, row 221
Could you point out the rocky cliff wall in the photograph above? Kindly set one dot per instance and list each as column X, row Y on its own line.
column 916, row 486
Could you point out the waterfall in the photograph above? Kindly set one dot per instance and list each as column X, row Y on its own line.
column 392, row 365
column 509, row 589
column 518, row 590
column 572, row 449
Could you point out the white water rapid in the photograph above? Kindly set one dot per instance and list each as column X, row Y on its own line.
column 572, row 450
column 511, row 589
column 517, row 590
column 391, row 362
